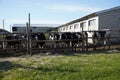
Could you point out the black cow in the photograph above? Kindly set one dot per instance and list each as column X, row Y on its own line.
column 65, row 38
column 41, row 36
column 14, row 42
column 1, row 45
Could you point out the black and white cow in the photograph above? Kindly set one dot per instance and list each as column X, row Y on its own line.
column 68, row 38
column 99, row 37
column 40, row 37
column 78, row 38
column 54, row 37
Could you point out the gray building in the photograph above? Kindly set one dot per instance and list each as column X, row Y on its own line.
column 102, row 20
column 34, row 28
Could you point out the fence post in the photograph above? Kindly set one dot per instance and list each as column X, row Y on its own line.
column 27, row 34
column 30, row 42
column 83, row 46
column 86, row 42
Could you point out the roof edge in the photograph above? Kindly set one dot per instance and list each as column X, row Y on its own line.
column 91, row 15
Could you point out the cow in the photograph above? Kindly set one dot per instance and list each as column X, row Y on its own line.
column 79, row 39
column 13, row 40
column 65, row 38
column 1, row 45
column 99, row 37
column 38, row 36
column 68, row 38
column 76, row 38
column 54, row 37
column 41, row 36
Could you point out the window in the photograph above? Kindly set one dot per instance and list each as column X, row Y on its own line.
column 14, row 28
column 66, row 27
column 63, row 28
column 76, row 26
column 83, row 24
column 70, row 27
column 92, row 22
column 59, row 29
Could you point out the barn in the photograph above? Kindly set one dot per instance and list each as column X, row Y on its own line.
column 34, row 28
column 108, row 19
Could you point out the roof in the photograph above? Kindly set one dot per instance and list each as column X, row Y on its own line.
column 90, row 16
column 107, row 10
column 36, row 25
column 2, row 31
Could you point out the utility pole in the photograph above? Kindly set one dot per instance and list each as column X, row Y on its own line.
column 3, row 34
column 3, row 24
column 10, row 28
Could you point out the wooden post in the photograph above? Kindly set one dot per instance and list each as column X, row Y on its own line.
column 86, row 42
column 30, row 42
column 82, row 41
column 28, row 37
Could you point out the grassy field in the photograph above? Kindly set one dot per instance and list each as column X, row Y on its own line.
column 92, row 66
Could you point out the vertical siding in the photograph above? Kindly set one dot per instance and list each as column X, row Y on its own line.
column 110, row 20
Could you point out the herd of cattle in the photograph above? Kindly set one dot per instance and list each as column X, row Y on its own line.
column 66, row 38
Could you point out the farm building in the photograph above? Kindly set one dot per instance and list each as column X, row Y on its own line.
column 34, row 28
column 102, row 20
column 3, row 31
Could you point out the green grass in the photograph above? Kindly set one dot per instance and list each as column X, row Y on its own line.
column 72, row 67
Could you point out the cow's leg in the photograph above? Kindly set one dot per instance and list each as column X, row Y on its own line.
column 95, row 41
column 104, row 44
column 109, row 44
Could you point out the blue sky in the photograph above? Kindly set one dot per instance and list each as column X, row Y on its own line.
column 49, row 11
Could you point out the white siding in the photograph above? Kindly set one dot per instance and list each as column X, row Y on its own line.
column 103, row 20
column 93, row 26
column 76, row 27
column 83, row 24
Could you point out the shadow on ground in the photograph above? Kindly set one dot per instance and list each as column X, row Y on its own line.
column 6, row 65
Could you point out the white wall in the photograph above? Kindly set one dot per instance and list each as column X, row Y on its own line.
column 79, row 28
column 94, row 27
